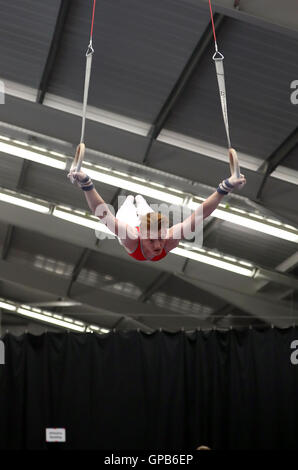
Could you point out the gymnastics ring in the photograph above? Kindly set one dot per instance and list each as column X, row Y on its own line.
column 234, row 164
column 78, row 159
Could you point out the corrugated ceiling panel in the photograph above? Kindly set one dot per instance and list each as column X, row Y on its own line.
column 259, row 67
column 3, row 231
column 30, row 245
column 27, row 28
column 292, row 159
column 18, row 293
column 120, row 270
column 141, row 48
column 10, row 170
column 281, row 198
column 188, row 291
column 264, row 250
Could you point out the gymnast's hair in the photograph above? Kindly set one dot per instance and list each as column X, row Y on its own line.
column 153, row 225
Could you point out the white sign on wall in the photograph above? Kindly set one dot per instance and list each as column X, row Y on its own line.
column 55, row 435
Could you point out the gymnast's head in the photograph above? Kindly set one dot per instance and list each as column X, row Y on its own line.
column 153, row 231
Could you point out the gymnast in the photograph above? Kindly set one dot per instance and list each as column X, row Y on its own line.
column 145, row 234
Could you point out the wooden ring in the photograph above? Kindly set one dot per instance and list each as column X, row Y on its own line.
column 234, row 164
column 78, row 159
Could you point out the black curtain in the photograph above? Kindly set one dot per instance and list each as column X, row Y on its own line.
column 133, row 390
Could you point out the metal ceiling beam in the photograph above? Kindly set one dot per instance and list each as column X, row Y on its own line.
column 7, row 241
column 10, row 228
column 211, row 227
column 269, row 14
column 289, row 263
column 54, row 47
column 284, row 267
column 189, row 68
column 78, row 268
column 221, row 313
column 22, row 175
column 154, row 286
column 276, row 158
column 290, row 283
column 260, row 306
column 279, row 278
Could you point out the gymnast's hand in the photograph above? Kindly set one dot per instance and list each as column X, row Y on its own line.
column 81, row 179
column 78, row 176
column 237, row 182
column 229, row 184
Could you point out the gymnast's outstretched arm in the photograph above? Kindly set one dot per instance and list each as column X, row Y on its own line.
column 192, row 223
column 98, row 207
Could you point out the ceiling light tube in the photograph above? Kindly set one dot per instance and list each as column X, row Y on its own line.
column 85, row 221
column 268, row 226
column 51, row 320
column 37, row 157
column 131, row 186
column 48, row 317
column 213, row 262
column 22, row 202
column 7, row 306
column 255, row 225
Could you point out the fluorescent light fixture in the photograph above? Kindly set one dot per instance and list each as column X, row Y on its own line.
column 43, row 157
column 17, row 151
column 268, row 226
column 45, row 318
column 7, row 306
column 218, row 263
column 98, row 115
column 97, row 328
column 85, row 221
column 48, row 317
column 26, row 203
column 255, row 225
column 123, row 183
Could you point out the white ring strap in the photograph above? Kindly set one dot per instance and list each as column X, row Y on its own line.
column 218, row 60
column 89, row 54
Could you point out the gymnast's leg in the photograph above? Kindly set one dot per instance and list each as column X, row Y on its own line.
column 127, row 212
column 143, row 207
